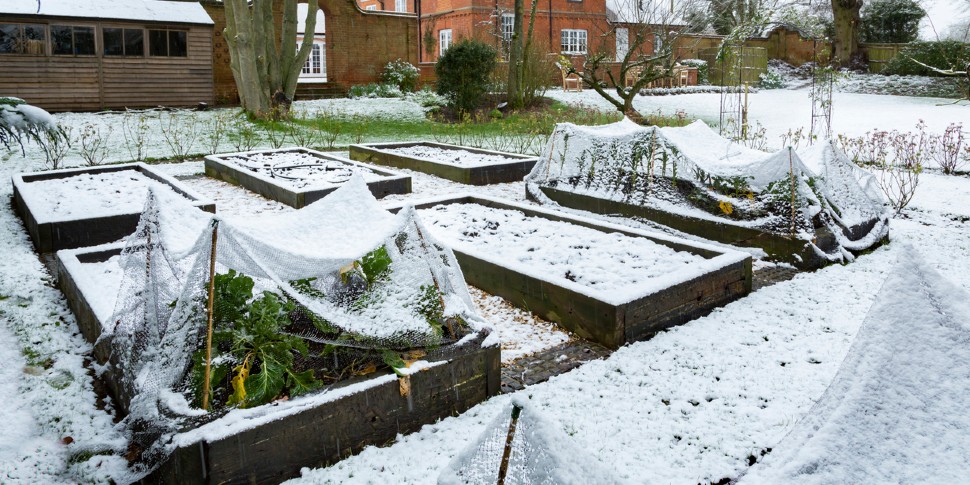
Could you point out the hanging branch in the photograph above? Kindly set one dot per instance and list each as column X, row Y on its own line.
column 208, row 337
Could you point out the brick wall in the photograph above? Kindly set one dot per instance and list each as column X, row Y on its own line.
column 359, row 44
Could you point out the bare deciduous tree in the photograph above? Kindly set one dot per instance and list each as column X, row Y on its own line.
column 264, row 66
column 653, row 27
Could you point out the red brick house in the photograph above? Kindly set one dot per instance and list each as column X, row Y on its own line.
column 570, row 27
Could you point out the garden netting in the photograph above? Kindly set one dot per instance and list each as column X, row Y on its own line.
column 692, row 171
column 522, row 447
column 301, row 301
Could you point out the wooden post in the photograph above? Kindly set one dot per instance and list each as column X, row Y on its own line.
column 208, row 337
column 507, row 452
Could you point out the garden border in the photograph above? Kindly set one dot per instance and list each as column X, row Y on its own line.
column 611, row 324
column 216, row 167
column 493, row 173
column 796, row 252
column 55, row 234
column 354, row 414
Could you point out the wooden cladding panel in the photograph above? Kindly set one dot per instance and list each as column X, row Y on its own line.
column 67, row 83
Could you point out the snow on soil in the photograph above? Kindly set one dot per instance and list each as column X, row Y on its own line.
column 605, row 262
column 638, row 403
column 90, row 195
column 453, row 156
column 522, row 333
column 301, row 170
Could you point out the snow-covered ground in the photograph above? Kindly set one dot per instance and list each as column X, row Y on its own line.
column 779, row 110
column 692, row 404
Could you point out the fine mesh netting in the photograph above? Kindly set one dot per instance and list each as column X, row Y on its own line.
column 521, row 447
column 693, row 171
column 300, row 301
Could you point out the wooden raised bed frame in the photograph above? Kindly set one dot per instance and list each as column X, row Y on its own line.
column 796, row 252
column 56, row 234
column 593, row 318
column 494, row 173
column 315, row 436
column 217, row 167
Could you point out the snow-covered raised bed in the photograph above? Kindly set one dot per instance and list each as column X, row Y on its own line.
column 349, row 312
column 605, row 282
column 472, row 166
column 81, row 207
column 808, row 208
column 299, row 176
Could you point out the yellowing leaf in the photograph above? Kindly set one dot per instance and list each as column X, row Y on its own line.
column 726, row 207
column 370, row 369
column 239, row 383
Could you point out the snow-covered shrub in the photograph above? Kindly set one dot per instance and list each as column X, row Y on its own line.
column 135, row 128
column 771, row 79
column 402, row 74
column 703, row 77
column 463, row 73
column 180, row 132
column 55, row 143
column 21, row 122
column 374, row 90
column 427, row 98
column 948, row 149
column 944, row 54
column 94, row 143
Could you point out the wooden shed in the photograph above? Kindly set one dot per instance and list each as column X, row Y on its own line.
column 72, row 55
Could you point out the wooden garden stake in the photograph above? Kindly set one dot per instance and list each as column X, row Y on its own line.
column 507, row 452
column 208, row 336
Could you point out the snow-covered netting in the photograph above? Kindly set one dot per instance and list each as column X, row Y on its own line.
column 519, row 446
column 296, row 303
column 896, row 410
column 694, row 172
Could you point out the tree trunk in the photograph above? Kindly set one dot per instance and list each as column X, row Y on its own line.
column 264, row 66
column 514, row 86
column 845, row 43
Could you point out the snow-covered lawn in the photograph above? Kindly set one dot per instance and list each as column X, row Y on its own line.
column 689, row 405
column 780, row 110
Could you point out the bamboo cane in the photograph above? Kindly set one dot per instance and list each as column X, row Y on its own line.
column 208, row 337
column 507, row 452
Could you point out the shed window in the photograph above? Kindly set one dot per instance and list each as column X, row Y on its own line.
column 22, row 39
column 167, row 43
column 68, row 40
column 124, row 42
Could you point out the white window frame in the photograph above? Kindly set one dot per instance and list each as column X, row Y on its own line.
column 400, row 5
column 370, row 7
column 658, row 43
column 573, row 41
column 444, row 41
column 622, row 43
column 508, row 26
column 315, row 68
